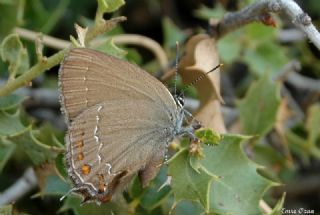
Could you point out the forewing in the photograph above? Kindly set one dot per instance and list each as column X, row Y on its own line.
column 89, row 77
column 111, row 141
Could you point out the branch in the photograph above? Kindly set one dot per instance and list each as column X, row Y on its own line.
column 33, row 72
column 300, row 19
column 133, row 39
column 22, row 186
column 260, row 12
column 47, row 40
column 146, row 42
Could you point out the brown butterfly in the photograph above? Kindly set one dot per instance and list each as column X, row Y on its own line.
column 121, row 120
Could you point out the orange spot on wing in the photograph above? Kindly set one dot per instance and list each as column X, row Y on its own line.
column 102, row 185
column 79, row 144
column 80, row 156
column 85, row 169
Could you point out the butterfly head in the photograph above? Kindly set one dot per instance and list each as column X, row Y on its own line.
column 179, row 99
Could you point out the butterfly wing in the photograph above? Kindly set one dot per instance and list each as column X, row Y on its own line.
column 88, row 77
column 111, row 141
column 121, row 119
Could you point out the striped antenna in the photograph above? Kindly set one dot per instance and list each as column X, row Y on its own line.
column 176, row 72
column 199, row 78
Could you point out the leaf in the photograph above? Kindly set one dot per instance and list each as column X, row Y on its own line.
column 9, row 20
column 37, row 151
column 298, row 145
column 188, row 184
column 277, row 210
column 171, row 33
column 6, row 150
column 207, row 13
column 55, row 186
column 200, row 57
column 188, row 208
column 108, row 6
column 11, row 101
column 10, row 124
column 110, row 48
column 238, row 187
column 313, row 124
column 150, row 197
column 153, row 197
column 73, row 203
column 60, row 166
column 13, row 52
column 263, row 54
column 208, row 137
column 229, row 47
column 258, row 110
column 6, row 210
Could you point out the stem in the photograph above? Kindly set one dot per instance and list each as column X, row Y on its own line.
column 21, row 186
column 33, row 72
column 47, row 40
column 258, row 11
column 125, row 39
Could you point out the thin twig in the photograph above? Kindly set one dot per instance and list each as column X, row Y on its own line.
column 300, row 19
column 265, row 207
column 125, row 39
column 33, row 72
column 146, row 42
column 47, row 40
column 303, row 82
column 22, row 186
column 260, row 11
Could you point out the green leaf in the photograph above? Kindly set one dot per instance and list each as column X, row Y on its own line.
column 262, row 53
column 6, row 150
column 73, row 203
column 61, row 167
column 13, row 52
column 37, row 151
column 306, row 147
column 6, row 210
column 259, row 108
column 47, row 135
column 229, row 47
column 110, row 48
column 55, row 186
column 208, row 137
column 11, row 101
column 10, row 124
column 313, row 124
column 188, row 184
column 108, row 6
column 207, row 13
column 152, row 196
column 238, row 187
column 9, row 20
column 277, row 210
column 298, row 145
column 172, row 33
column 188, row 208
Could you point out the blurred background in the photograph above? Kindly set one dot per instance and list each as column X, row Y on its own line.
column 289, row 149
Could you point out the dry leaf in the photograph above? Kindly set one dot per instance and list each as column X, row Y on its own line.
column 81, row 32
column 202, row 56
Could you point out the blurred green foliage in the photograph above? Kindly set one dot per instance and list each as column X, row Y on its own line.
column 223, row 180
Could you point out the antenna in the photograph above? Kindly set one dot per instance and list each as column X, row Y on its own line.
column 176, row 72
column 199, row 78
